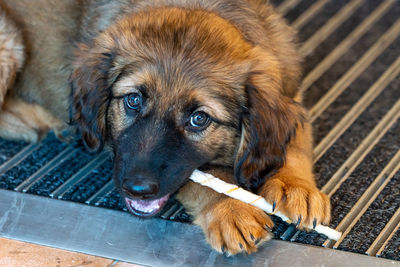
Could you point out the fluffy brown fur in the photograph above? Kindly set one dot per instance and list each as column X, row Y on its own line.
column 234, row 61
column 11, row 53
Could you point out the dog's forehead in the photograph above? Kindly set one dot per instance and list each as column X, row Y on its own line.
column 177, row 94
column 182, row 57
column 158, row 82
column 128, row 83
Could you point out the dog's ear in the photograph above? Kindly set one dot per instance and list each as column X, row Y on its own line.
column 269, row 121
column 91, row 94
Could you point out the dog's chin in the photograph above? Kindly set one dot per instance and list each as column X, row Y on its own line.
column 146, row 208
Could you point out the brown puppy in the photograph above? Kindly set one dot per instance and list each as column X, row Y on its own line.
column 175, row 85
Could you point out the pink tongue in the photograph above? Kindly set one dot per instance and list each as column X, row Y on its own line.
column 147, row 206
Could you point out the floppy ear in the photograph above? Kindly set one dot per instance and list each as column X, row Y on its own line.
column 269, row 121
column 90, row 94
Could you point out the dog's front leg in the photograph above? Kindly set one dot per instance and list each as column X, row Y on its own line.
column 293, row 190
column 229, row 225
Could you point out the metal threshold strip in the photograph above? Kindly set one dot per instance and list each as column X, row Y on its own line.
column 117, row 235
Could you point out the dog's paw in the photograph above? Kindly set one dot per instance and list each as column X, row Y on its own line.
column 300, row 200
column 232, row 226
column 66, row 134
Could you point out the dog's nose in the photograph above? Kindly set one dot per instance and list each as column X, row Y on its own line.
column 140, row 189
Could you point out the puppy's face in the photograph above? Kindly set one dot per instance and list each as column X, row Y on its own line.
column 162, row 129
column 174, row 90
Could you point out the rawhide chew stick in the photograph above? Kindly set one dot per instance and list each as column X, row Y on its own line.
column 238, row 193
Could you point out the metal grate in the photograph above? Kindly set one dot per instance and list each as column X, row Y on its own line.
column 352, row 88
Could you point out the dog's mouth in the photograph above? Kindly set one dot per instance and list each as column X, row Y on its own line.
column 146, row 208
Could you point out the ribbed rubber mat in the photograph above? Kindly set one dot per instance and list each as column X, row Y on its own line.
column 351, row 87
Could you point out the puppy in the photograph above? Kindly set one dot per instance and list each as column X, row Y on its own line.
column 171, row 86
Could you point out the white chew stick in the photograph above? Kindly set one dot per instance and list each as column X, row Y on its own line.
column 238, row 193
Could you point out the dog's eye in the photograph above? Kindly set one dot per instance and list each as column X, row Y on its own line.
column 199, row 120
column 133, row 101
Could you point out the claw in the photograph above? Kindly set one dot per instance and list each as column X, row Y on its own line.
column 257, row 241
column 241, row 246
column 223, row 249
column 252, row 237
column 273, row 206
column 298, row 221
column 314, row 223
column 269, row 229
